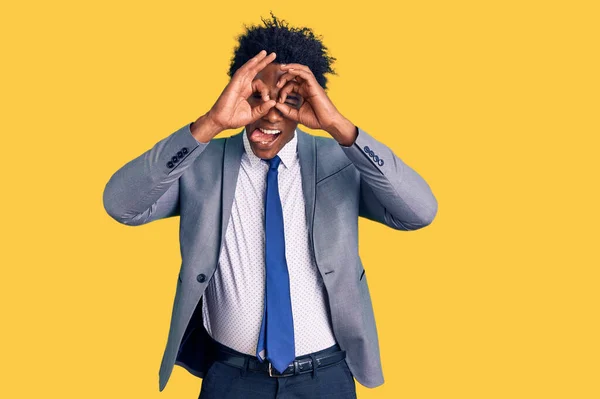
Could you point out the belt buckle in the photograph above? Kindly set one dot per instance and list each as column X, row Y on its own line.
column 276, row 376
column 271, row 370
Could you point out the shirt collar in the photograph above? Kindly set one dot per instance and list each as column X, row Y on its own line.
column 287, row 154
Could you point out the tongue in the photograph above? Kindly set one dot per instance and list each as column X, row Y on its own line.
column 258, row 136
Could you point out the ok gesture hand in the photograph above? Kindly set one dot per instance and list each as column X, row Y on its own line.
column 317, row 111
column 232, row 109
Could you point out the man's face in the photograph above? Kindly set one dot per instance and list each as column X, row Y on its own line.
column 265, row 145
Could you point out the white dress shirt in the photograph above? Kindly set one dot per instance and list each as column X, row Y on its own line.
column 233, row 302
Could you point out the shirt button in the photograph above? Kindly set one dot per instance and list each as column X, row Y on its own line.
column 201, row 278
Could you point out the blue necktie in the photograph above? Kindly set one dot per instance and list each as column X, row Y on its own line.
column 277, row 329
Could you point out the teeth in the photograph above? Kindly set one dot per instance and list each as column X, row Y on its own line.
column 264, row 142
column 269, row 131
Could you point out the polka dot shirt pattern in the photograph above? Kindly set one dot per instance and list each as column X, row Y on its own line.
column 234, row 299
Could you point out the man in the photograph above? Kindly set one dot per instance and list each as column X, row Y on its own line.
column 272, row 297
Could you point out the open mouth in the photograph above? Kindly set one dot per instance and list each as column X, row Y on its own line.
column 264, row 137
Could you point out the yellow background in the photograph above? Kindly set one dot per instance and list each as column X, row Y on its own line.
column 495, row 104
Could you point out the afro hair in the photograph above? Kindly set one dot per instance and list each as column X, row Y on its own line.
column 291, row 44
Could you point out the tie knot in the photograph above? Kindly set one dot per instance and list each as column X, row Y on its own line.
column 274, row 162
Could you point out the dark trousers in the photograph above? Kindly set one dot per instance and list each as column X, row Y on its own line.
column 223, row 381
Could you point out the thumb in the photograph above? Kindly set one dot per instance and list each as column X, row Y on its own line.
column 262, row 109
column 287, row 111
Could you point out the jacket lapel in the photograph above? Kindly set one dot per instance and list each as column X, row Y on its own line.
column 307, row 155
column 234, row 148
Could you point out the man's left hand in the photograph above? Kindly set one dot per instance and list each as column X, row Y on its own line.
column 317, row 111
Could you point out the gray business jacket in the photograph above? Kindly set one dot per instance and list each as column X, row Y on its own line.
column 179, row 176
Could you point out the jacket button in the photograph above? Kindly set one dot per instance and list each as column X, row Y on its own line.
column 170, row 164
column 184, row 150
column 201, row 278
column 179, row 154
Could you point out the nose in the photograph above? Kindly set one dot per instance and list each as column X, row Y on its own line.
column 273, row 116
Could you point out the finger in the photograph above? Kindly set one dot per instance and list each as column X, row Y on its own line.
column 302, row 73
column 309, row 77
column 290, row 87
column 288, row 111
column 286, row 77
column 285, row 67
column 259, row 86
column 261, row 110
column 256, row 68
column 252, row 61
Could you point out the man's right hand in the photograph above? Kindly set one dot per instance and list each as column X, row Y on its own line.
column 232, row 109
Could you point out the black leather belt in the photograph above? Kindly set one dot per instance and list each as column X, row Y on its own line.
column 301, row 365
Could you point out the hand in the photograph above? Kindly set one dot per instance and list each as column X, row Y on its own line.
column 232, row 109
column 317, row 111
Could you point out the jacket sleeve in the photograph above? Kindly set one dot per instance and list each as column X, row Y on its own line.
column 391, row 192
column 147, row 188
